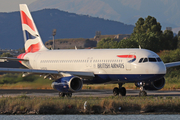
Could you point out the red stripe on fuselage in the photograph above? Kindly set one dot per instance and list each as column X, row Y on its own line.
column 21, row 56
column 126, row 56
column 26, row 20
column 33, row 48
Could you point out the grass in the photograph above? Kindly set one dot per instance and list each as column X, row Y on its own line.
column 34, row 82
column 15, row 81
column 109, row 105
column 46, row 84
column 27, row 85
column 108, row 86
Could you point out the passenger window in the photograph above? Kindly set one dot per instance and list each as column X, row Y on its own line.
column 152, row 59
column 145, row 60
column 141, row 60
column 159, row 59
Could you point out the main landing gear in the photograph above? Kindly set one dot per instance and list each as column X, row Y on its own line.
column 119, row 91
column 122, row 91
column 61, row 94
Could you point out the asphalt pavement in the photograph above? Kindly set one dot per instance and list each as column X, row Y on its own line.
column 82, row 93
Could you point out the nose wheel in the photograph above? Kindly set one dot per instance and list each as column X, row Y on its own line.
column 142, row 91
column 119, row 91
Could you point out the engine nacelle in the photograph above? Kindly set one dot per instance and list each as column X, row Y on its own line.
column 68, row 84
column 154, row 85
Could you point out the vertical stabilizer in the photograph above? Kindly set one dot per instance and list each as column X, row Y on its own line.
column 32, row 39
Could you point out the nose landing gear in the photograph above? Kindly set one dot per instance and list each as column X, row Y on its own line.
column 142, row 91
column 119, row 91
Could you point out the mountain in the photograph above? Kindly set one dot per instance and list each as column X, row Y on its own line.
column 127, row 11
column 68, row 25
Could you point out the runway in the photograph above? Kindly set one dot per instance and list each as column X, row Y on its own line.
column 82, row 93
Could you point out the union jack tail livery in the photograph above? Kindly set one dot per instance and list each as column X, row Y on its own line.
column 32, row 39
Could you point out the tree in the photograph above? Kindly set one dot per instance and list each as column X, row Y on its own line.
column 139, row 26
column 107, row 43
column 148, row 25
column 169, row 41
column 127, row 43
column 149, row 35
column 178, row 33
column 7, row 54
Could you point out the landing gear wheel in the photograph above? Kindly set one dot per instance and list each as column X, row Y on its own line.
column 61, row 94
column 116, row 91
column 69, row 95
column 122, row 91
column 142, row 93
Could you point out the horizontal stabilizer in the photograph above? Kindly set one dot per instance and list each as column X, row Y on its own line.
column 12, row 58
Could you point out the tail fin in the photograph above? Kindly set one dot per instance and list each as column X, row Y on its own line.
column 32, row 39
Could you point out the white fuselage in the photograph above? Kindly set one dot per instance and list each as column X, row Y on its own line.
column 104, row 62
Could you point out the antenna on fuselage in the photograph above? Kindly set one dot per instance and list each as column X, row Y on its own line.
column 139, row 47
column 75, row 48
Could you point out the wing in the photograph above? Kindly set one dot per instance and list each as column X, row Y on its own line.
column 173, row 64
column 48, row 72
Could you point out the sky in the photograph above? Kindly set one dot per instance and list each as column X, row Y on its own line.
column 12, row 5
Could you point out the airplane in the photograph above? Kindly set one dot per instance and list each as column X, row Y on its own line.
column 70, row 69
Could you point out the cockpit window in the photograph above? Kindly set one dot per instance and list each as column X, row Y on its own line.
column 145, row 60
column 141, row 60
column 159, row 59
column 152, row 59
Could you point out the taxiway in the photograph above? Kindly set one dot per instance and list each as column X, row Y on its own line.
column 82, row 93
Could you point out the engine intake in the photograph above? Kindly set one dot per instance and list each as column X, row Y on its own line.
column 154, row 85
column 68, row 84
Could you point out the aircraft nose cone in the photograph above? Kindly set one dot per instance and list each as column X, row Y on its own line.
column 159, row 68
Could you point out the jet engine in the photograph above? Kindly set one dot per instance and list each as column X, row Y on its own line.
column 153, row 85
column 68, row 84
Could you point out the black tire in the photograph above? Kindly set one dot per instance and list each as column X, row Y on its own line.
column 69, row 95
column 142, row 93
column 122, row 91
column 61, row 94
column 116, row 91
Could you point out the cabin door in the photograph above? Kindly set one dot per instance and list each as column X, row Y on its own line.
column 89, row 62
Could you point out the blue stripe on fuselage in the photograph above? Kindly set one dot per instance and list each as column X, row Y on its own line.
column 124, row 78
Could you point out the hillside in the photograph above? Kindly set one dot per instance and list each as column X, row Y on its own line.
column 127, row 11
column 68, row 25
